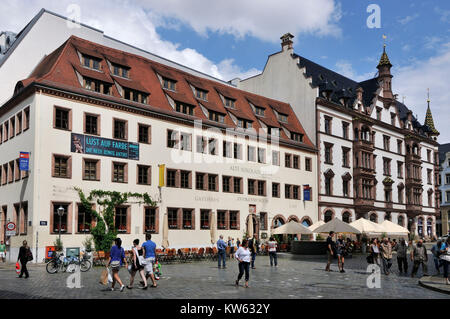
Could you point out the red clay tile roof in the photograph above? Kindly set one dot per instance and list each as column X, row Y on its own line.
column 130, row 84
column 89, row 52
column 241, row 114
column 58, row 70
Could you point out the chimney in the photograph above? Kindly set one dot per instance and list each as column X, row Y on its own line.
column 286, row 42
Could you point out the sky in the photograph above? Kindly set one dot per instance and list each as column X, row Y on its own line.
column 233, row 38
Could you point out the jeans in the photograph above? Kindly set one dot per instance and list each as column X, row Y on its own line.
column 438, row 263
column 386, row 265
column 253, row 259
column 402, row 261
column 417, row 263
column 273, row 257
column 244, row 267
column 445, row 265
column 221, row 255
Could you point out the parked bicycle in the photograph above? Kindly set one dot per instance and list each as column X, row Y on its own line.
column 61, row 263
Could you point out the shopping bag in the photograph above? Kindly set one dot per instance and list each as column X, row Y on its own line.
column 104, row 277
column 110, row 279
column 17, row 268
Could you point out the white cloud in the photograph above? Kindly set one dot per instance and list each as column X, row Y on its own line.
column 408, row 19
column 345, row 68
column 412, row 82
column 136, row 23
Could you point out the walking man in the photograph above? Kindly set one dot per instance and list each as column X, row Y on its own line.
column 331, row 248
column 149, row 252
column 23, row 257
column 402, row 260
column 221, row 250
column 386, row 254
column 419, row 257
column 2, row 251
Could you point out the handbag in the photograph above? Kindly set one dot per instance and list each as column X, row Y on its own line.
column 17, row 268
column 29, row 255
column 115, row 264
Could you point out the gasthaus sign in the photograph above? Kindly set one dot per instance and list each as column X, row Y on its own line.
column 85, row 144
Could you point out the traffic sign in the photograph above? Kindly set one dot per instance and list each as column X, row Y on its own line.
column 10, row 229
column 24, row 161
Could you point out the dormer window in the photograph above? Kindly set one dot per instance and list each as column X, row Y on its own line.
column 259, row 111
column 273, row 131
column 216, row 117
column 201, row 94
column 97, row 86
column 230, row 103
column 91, row 62
column 119, row 70
column 135, row 96
column 244, row 123
column 282, row 117
column 169, row 84
column 184, row 108
column 297, row 137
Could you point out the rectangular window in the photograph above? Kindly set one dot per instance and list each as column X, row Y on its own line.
column 172, row 216
column 229, row 103
column 200, row 181
column 61, row 119
column 378, row 114
column 251, row 153
column 19, row 123
column 399, row 169
column 328, row 153
column 263, row 220
column 345, row 191
column 287, row 160
column 120, row 129
column 386, row 142
column 186, row 141
column 251, row 187
column 84, row 220
column 119, row 170
column 11, row 172
column 259, row 111
column 185, row 179
column 393, row 119
column 216, row 117
column 221, row 219
column 61, row 166
column 429, row 173
column 399, row 146
column 261, row 155
column 184, row 108
column 386, row 166
column 60, row 220
column 297, row 137
column 212, row 182
column 144, row 175
column 201, row 94
column 90, row 172
column 328, row 186
column 150, row 220
column 261, row 188
column 276, row 158
column 234, row 218
column 345, row 127
column 308, row 164
column 204, row 219
column 172, row 139
column 237, row 151
column 276, row 190
column 287, row 191
column 296, row 161
column 226, row 149
column 237, row 182
column 144, row 133
column 26, row 124
column 188, row 219
column 120, row 219
column 201, row 144
column 6, row 133
column 171, row 178
column 296, row 192
column 226, row 180
column 345, row 157
column 169, row 84
column 282, row 117
column 91, row 124
column 212, row 146
column 328, row 124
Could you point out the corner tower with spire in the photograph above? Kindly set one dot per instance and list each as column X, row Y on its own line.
column 384, row 74
column 429, row 120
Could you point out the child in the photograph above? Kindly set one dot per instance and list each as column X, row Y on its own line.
column 157, row 270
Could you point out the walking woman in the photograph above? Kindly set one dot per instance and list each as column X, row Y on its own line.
column 243, row 256
column 340, row 250
column 116, row 259
column 273, row 251
column 375, row 251
column 137, row 265
column 445, row 256
column 24, row 252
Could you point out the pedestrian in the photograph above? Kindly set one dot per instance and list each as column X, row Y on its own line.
column 386, row 255
column 116, row 259
column 419, row 257
column 253, row 244
column 221, row 251
column 402, row 252
column 340, row 249
column 229, row 247
column 243, row 256
column 149, row 252
column 273, row 251
column 436, row 251
column 375, row 251
column 445, row 257
column 331, row 248
column 2, row 251
column 24, row 253
column 232, row 248
column 394, row 243
column 238, row 243
column 137, row 264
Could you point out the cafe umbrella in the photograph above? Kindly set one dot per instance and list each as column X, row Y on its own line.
column 315, row 225
column 338, row 226
column 292, row 228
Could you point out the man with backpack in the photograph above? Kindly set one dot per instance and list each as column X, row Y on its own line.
column 419, row 257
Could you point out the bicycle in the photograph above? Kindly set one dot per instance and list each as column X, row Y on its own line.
column 56, row 263
column 84, row 263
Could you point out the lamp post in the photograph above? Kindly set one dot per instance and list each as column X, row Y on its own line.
column 60, row 214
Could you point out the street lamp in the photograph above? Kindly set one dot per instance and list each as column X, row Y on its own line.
column 60, row 211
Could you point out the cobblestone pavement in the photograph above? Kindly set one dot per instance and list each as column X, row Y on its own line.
column 295, row 277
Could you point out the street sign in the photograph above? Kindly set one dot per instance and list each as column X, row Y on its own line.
column 43, row 223
column 306, row 193
column 24, row 161
column 10, row 229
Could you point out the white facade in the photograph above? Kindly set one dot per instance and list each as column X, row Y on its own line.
column 445, row 193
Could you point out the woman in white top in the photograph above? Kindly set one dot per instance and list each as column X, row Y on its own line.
column 375, row 250
column 243, row 256
column 272, row 251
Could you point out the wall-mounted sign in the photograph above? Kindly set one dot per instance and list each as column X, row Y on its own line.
column 43, row 223
column 85, row 144
column 306, row 193
column 10, row 229
column 24, row 161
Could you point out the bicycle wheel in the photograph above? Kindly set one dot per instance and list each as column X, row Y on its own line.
column 52, row 267
column 85, row 265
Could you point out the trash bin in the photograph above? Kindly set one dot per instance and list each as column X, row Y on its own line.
column 49, row 252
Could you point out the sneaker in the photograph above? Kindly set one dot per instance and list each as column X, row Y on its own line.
column 112, row 289
column 122, row 288
column 342, row 270
column 237, row 283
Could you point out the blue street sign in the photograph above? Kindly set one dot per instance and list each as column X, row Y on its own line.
column 24, row 161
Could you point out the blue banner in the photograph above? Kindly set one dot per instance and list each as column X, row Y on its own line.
column 84, row 144
column 24, row 161
column 306, row 192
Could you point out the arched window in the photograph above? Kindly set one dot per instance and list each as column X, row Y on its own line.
column 387, row 216
column 429, row 226
column 328, row 216
column 373, row 218
column 346, row 217
column 401, row 221
column 306, row 222
column 278, row 222
column 420, row 226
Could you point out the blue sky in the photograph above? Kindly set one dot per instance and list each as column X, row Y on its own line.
column 233, row 38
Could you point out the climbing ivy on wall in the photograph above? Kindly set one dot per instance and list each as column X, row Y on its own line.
column 105, row 231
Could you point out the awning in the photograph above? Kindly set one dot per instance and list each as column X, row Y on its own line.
column 292, row 228
column 338, row 226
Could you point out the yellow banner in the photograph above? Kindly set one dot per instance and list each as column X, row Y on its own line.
column 162, row 169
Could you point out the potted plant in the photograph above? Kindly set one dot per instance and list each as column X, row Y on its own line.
column 87, row 243
column 58, row 245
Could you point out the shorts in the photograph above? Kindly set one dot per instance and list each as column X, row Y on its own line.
column 2, row 255
column 148, row 265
